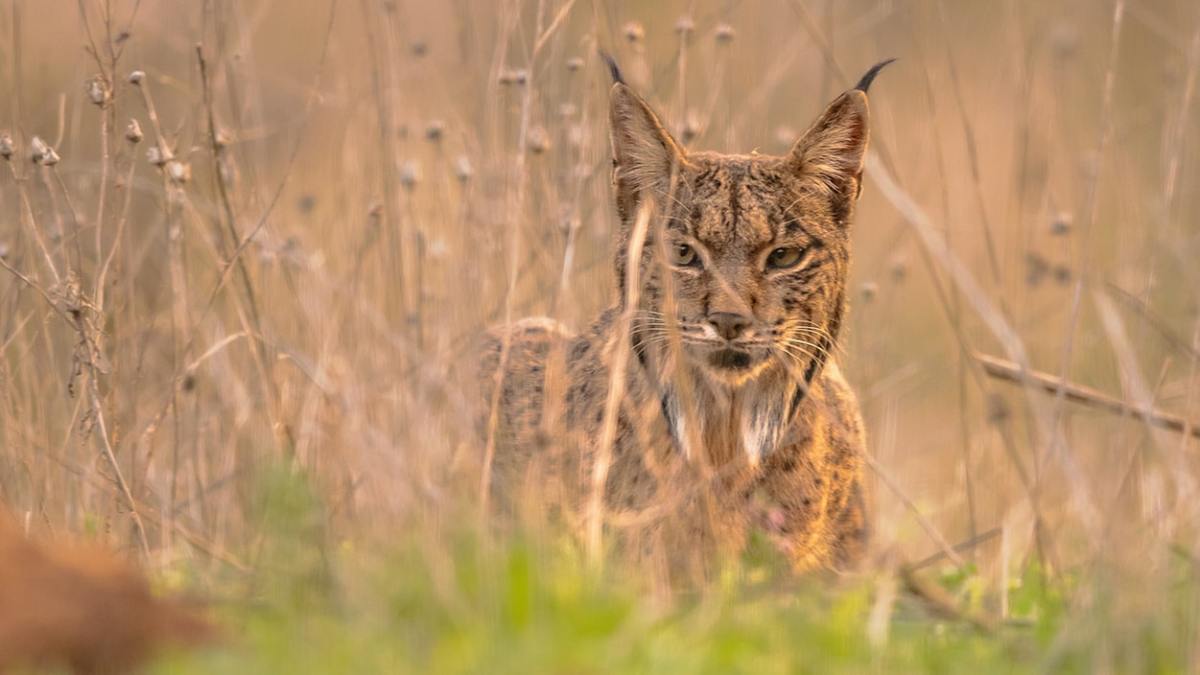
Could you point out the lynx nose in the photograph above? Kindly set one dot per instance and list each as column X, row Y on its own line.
column 728, row 324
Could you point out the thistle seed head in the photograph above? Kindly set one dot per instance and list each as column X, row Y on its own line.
column 462, row 168
column 133, row 132
column 634, row 32
column 410, row 174
column 179, row 172
column 97, row 90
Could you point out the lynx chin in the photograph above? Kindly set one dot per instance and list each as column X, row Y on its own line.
column 706, row 402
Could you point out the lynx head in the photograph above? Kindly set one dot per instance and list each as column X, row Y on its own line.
column 747, row 255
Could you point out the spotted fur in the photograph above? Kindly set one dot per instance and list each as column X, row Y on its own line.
column 736, row 416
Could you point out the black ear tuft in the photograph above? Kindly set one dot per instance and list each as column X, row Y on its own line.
column 869, row 77
column 613, row 68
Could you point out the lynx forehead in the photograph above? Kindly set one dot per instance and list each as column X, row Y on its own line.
column 741, row 292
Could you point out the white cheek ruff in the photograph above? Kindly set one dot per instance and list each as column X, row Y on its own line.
column 679, row 428
column 758, row 435
column 763, row 425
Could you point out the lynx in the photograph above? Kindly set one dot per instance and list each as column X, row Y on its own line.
column 732, row 414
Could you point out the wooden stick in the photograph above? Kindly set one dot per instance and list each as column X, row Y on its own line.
column 1009, row 371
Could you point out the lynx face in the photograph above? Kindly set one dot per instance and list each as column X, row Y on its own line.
column 757, row 260
column 747, row 260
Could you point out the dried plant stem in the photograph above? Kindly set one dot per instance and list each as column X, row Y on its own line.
column 209, row 548
column 27, row 217
column 118, row 237
column 34, row 285
column 1091, row 204
column 1180, row 125
column 515, row 212
column 110, row 455
column 77, row 321
column 973, row 160
column 967, row 545
column 942, row 603
column 993, row 318
column 384, row 118
column 106, row 115
column 217, row 148
column 1009, row 371
column 617, row 371
column 262, row 355
column 923, row 521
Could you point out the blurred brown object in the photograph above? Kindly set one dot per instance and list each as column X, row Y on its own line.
column 79, row 606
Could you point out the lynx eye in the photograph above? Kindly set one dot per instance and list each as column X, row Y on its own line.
column 785, row 257
column 683, row 255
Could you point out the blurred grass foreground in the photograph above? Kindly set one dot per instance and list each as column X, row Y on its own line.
column 246, row 246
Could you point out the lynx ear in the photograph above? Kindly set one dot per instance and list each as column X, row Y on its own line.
column 644, row 154
column 834, row 149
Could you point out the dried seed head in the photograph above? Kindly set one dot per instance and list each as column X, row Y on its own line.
column 97, row 90
column 512, row 76
column 1036, row 268
column 1061, row 225
column 899, row 269
column 462, row 168
column 37, row 149
column 136, row 77
column 685, row 26
column 724, row 34
column 869, row 290
column 3, row 250
column 133, row 132
column 375, row 211
column 434, row 131
column 1062, row 274
column 50, row 158
column 693, row 126
column 6, row 145
column 159, row 156
column 179, row 172
column 634, row 32
column 410, row 174
column 997, row 409
column 539, row 140
column 420, row 48
column 574, row 64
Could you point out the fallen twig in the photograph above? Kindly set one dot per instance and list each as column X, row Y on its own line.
column 1009, row 371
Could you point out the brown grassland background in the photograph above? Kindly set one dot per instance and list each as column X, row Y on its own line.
column 347, row 191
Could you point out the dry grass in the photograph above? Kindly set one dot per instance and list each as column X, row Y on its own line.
column 325, row 201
